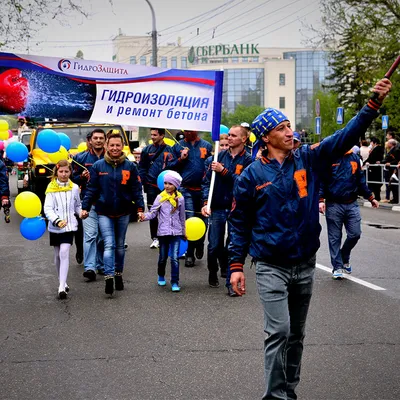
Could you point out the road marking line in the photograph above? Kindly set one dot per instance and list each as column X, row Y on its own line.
column 351, row 278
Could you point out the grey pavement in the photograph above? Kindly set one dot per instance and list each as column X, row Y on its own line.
column 150, row 343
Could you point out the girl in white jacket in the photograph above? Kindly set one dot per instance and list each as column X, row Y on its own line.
column 61, row 206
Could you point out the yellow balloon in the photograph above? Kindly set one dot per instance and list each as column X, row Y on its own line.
column 82, row 146
column 4, row 135
column 252, row 137
column 28, row 205
column 4, row 125
column 59, row 155
column 150, row 141
column 195, row 228
column 169, row 142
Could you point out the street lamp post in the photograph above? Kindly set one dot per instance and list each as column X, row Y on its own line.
column 153, row 34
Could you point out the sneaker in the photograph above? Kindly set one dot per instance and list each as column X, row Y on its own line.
column 161, row 281
column 125, row 245
column 109, row 288
column 62, row 295
column 200, row 251
column 66, row 288
column 213, row 280
column 79, row 258
column 119, row 283
column 189, row 262
column 155, row 244
column 337, row 274
column 90, row 275
column 231, row 292
column 347, row 268
column 175, row 287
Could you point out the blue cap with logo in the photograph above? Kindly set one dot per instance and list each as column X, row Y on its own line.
column 297, row 136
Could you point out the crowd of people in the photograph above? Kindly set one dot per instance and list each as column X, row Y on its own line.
column 269, row 204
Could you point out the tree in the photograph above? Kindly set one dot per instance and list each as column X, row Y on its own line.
column 241, row 114
column 79, row 54
column 20, row 21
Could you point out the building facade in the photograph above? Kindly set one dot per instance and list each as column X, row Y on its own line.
column 282, row 78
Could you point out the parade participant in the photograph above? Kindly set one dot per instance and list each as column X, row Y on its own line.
column 153, row 160
column 4, row 189
column 114, row 184
column 22, row 126
column 390, row 161
column 275, row 218
column 169, row 207
column 296, row 140
column 92, row 242
column 338, row 194
column 375, row 171
column 229, row 166
column 190, row 155
column 61, row 205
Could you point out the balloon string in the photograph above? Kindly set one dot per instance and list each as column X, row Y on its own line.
column 76, row 162
column 30, row 158
column 173, row 137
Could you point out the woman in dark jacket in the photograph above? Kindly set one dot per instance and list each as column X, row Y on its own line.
column 114, row 185
column 375, row 173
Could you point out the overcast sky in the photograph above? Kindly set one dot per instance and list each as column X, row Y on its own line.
column 270, row 23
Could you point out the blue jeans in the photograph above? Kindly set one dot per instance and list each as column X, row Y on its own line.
column 93, row 244
column 217, row 250
column 113, row 232
column 285, row 293
column 152, row 193
column 169, row 244
column 338, row 215
column 193, row 206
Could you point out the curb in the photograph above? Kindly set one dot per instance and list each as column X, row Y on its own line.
column 383, row 206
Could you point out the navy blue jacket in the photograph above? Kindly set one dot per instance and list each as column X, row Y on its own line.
column 275, row 214
column 4, row 186
column 153, row 160
column 345, row 181
column 113, row 189
column 224, row 181
column 87, row 159
column 192, row 168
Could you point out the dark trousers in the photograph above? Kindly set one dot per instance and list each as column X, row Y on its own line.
column 217, row 249
column 169, row 245
column 193, row 205
column 79, row 238
column 152, row 193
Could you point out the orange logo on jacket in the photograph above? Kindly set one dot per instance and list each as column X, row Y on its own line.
column 203, row 152
column 239, row 169
column 125, row 176
column 300, row 177
column 354, row 166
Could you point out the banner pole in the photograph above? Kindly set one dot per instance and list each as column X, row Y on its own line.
column 212, row 183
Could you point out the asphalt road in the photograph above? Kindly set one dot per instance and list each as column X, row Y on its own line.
column 150, row 343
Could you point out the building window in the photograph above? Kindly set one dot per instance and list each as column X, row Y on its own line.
column 235, row 60
column 254, row 59
column 174, row 62
column 225, row 60
column 132, row 60
column 204, row 60
column 163, row 62
column 245, row 59
column 183, row 62
column 143, row 60
column 282, row 102
column 282, row 79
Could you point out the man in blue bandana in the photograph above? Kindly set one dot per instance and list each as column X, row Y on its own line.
column 275, row 218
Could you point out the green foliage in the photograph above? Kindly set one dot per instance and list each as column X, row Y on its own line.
column 79, row 54
column 241, row 114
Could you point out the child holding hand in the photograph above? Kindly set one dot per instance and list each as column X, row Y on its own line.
column 61, row 206
column 169, row 208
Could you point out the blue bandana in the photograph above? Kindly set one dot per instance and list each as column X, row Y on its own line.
column 266, row 121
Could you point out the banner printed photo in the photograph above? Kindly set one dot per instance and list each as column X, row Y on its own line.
column 102, row 92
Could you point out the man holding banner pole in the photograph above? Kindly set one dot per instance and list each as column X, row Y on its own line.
column 190, row 155
column 275, row 217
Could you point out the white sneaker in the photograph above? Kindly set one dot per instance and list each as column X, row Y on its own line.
column 337, row 274
column 155, row 244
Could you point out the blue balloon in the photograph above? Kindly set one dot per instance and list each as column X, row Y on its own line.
column 49, row 141
column 65, row 140
column 223, row 129
column 17, row 152
column 183, row 246
column 32, row 228
column 160, row 180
